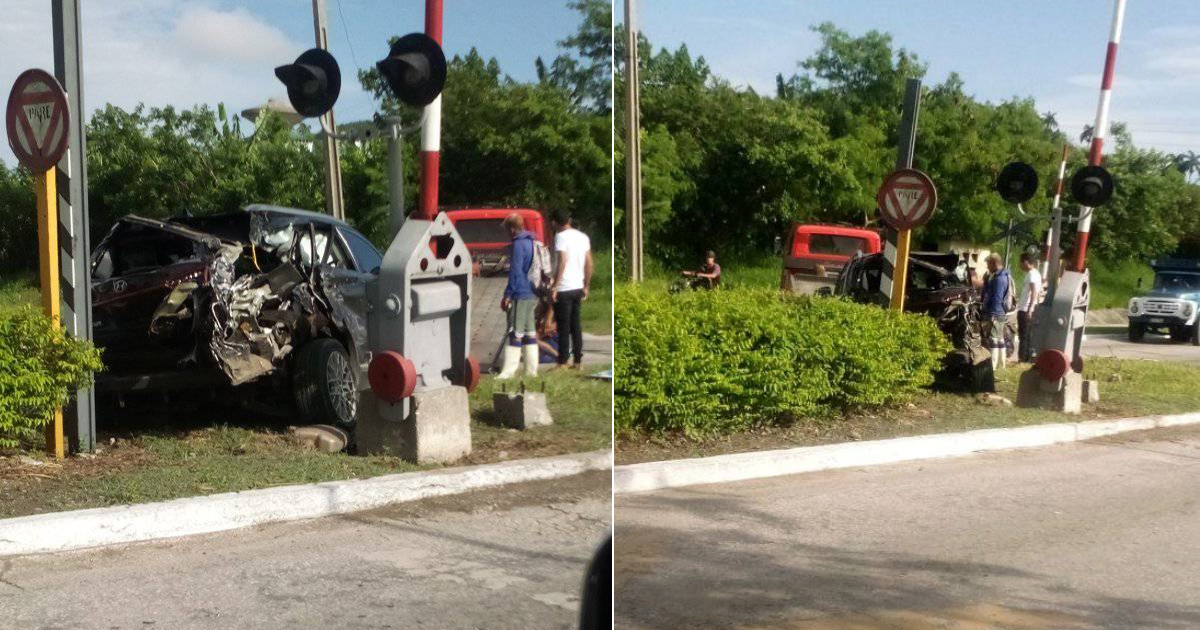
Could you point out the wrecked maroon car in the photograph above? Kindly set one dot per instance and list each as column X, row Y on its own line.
column 265, row 295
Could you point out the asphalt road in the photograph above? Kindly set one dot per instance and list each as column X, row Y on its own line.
column 1090, row 535
column 507, row 558
column 1153, row 347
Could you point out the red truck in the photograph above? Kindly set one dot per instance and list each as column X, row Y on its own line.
column 486, row 237
column 814, row 254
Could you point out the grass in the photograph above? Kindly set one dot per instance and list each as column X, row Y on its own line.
column 597, row 310
column 170, row 463
column 19, row 289
column 1113, row 285
column 1128, row 388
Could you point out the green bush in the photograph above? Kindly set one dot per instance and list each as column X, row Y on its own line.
column 41, row 367
column 711, row 362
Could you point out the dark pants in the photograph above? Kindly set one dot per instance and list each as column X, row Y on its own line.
column 1025, row 332
column 570, row 332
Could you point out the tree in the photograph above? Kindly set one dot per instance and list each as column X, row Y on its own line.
column 585, row 70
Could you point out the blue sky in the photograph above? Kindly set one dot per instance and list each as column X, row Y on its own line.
column 1050, row 50
column 184, row 52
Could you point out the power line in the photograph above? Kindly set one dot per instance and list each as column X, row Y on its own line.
column 346, row 30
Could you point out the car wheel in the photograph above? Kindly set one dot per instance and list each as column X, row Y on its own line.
column 1180, row 334
column 323, row 384
column 1137, row 332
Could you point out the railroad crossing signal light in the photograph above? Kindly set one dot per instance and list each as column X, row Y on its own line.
column 313, row 82
column 1092, row 186
column 415, row 69
column 1017, row 183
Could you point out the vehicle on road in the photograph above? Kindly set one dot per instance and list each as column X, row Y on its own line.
column 263, row 296
column 1172, row 306
column 482, row 229
column 814, row 254
column 933, row 289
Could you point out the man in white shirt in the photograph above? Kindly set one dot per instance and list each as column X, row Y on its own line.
column 572, row 276
column 1031, row 295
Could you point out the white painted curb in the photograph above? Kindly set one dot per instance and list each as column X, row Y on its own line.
column 63, row 531
column 743, row 466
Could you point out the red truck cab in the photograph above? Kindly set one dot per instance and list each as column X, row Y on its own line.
column 486, row 237
column 814, row 254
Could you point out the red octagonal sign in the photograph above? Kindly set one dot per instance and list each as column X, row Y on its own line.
column 907, row 199
column 37, row 120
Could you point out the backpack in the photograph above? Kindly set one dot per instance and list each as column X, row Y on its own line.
column 539, row 273
column 1010, row 300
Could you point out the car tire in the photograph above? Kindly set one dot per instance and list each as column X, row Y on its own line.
column 1137, row 332
column 1181, row 334
column 1196, row 333
column 323, row 384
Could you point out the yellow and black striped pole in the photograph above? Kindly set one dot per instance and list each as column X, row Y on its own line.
column 47, row 226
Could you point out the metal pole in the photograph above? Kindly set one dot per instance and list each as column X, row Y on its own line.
column 431, row 133
column 334, row 198
column 1100, row 130
column 74, row 244
column 896, row 244
column 1054, row 234
column 633, row 150
column 396, row 176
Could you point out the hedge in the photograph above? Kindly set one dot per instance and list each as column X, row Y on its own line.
column 715, row 362
column 40, row 367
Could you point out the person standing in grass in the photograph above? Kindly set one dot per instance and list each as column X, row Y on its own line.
column 572, row 277
column 1031, row 295
column 997, row 298
column 519, row 301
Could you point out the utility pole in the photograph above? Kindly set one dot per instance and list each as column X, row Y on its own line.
column 334, row 201
column 74, row 244
column 633, row 149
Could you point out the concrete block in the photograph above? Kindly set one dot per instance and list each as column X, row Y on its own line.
column 1091, row 392
column 435, row 430
column 1065, row 396
column 521, row 410
column 322, row 437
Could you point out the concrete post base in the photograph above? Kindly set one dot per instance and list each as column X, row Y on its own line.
column 437, row 430
column 521, row 410
column 1065, row 395
column 1091, row 391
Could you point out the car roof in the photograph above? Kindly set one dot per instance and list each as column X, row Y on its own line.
column 283, row 211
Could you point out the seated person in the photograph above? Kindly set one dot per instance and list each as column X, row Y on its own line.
column 709, row 275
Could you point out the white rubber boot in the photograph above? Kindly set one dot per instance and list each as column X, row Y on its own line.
column 530, row 356
column 511, row 362
column 996, row 361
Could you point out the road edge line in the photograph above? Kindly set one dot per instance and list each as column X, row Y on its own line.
column 100, row 527
column 650, row 476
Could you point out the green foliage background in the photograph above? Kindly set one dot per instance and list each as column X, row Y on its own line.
column 714, row 362
column 544, row 144
column 727, row 168
column 42, row 366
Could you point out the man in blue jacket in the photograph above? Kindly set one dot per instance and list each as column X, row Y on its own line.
column 519, row 301
column 997, row 297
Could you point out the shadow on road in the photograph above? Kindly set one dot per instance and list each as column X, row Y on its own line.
column 748, row 569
